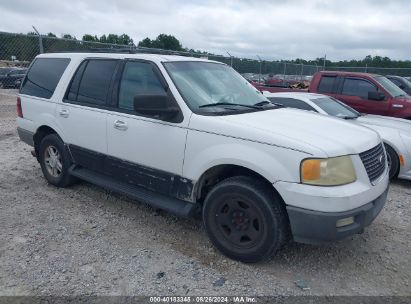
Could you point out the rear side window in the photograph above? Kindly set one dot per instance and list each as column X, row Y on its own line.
column 91, row 83
column 292, row 103
column 326, row 84
column 43, row 76
column 358, row 87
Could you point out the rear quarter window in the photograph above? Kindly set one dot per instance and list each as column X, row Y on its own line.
column 43, row 77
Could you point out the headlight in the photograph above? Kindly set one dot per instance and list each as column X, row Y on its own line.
column 328, row 171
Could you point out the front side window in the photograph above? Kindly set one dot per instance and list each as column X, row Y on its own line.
column 43, row 76
column 213, row 87
column 138, row 78
column 358, row 87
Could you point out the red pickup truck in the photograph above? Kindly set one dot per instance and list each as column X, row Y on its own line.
column 367, row 93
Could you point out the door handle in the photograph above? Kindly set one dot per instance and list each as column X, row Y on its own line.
column 64, row 113
column 120, row 125
column 395, row 105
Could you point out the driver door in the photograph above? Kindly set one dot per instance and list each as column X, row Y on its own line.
column 142, row 150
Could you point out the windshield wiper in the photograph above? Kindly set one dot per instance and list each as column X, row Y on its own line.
column 229, row 104
column 264, row 102
column 350, row 117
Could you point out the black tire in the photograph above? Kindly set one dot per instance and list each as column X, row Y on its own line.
column 53, row 142
column 393, row 162
column 245, row 219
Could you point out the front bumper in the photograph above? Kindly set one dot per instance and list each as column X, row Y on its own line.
column 315, row 227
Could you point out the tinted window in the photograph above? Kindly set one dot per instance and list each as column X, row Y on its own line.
column 326, row 84
column 358, row 87
column 43, row 76
column 292, row 103
column 94, row 83
column 138, row 79
column 75, row 82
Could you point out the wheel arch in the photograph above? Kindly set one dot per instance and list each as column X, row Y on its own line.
column 40, row 133
column 218, row 173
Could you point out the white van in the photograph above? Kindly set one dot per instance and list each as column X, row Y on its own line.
column 192, row 136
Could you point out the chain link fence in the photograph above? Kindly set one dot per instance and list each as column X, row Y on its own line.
column 18, row 50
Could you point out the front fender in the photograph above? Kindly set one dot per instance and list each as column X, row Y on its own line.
column 205, row 150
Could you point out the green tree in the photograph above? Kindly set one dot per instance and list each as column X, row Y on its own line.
column 163, row 41
column 88, row 37
column 146, row 42
column 68, row 36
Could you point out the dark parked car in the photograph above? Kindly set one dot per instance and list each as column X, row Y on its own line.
column 13, row 78
column 401, row 82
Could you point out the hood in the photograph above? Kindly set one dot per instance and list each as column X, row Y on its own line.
column 313, row 133
column 399, row 124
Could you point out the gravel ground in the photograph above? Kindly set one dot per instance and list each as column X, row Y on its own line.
column 84, row 240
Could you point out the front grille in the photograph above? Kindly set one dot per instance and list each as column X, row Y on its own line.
column 374, row 162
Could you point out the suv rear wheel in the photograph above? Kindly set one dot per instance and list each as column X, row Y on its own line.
column 245, row 220
column 55, row 161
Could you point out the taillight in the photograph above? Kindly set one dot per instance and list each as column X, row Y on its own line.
column 19, row 109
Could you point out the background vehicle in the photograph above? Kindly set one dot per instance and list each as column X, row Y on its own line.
column 193, row 136
column 13, row 78
column 366, row 93
column 401, row 82
column 395, row 132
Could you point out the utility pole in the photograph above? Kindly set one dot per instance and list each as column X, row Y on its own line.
column 325, row 59
column 40, row 40
column 231, row 58
column 285, row 70
column 259, row 76
column 302, row 69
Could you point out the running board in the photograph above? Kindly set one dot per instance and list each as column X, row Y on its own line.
column 156, row 200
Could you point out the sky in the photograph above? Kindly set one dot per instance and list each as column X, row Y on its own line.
column 274, row 30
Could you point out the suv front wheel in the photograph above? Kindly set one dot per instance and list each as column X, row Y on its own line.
column 245, row 220
column 55, row 161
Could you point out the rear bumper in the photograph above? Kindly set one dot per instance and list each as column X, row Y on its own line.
column 315, row 227
column 26, row 136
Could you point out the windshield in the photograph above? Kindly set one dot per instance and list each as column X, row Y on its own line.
column 336, row 108
column 206, row 86
column 390, row 87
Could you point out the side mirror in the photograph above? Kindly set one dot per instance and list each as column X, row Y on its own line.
column 157, row 106
column 377, row 96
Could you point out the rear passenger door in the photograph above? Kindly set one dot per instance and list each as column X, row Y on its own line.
column 83, row 112
column 354, row 92
column 144, row 151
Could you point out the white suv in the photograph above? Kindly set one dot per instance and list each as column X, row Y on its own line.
column 191, row 136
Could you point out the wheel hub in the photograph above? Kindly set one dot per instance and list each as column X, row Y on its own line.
column 240, row 220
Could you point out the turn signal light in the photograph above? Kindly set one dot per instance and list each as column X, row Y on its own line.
column 311, row 169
